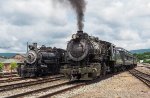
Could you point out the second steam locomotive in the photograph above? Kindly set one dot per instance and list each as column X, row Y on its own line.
column 89, row 58
column 41, row 61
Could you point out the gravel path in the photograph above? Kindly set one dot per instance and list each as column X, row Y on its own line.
column 123, row 85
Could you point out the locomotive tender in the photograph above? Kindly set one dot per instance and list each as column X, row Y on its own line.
column 89, row 58
column 41, row 61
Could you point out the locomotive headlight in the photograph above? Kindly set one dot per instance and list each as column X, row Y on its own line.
column 74, row 36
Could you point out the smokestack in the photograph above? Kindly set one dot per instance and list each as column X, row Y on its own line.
column 79, row 31
column 27, row 47
column 79, row 7
column 35, row 45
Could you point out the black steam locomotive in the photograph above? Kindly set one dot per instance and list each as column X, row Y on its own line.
column 89, row 58
column 41, row 61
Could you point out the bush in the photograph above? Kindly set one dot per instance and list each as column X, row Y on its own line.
column 147, row 62
column 143, row 56
column 13, row 66
column 1, row 66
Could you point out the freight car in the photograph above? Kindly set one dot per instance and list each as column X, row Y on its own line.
column 41, row 61
column 89, row 58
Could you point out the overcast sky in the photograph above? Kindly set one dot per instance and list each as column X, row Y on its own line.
column 125, row 23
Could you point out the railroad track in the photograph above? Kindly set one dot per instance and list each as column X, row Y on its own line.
column 55, row 89
column 29, row 83
column 66, row 86
column 145, row 65
column 145, row 78
column 11, row 80
column 8, row 73
column 148, row 67
column 8, row 76
column 62, row 90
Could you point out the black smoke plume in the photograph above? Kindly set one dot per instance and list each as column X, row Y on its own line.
column 79, row 7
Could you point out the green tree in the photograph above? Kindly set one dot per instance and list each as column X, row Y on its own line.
column 13, row 66
column 143, row 56
column 1, row 68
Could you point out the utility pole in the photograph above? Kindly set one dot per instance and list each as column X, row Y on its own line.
column 27, row 47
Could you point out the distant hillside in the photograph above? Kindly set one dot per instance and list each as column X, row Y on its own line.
column 140, row 51
column 7, row 55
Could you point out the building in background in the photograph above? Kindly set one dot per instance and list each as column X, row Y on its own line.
column 19, row 57
column 7, row 63
column 141, row 61
column 2, row 59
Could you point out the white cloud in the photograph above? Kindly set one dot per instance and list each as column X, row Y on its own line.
column 122, row 22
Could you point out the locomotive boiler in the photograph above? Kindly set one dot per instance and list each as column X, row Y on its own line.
column 89, row 58
column 41, row 61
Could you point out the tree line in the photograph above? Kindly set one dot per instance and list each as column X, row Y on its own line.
column 143, row 56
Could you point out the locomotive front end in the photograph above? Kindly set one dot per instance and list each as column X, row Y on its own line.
column 81, row 50
column 77, row 48
column 31, row 57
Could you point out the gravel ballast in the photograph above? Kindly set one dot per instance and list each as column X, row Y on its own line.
column 123, row 85
column 143, row 68
column 30, row 88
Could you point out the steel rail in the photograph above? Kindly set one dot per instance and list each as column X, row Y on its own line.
column 38, row 90
column 145, row 78
column 30, row 83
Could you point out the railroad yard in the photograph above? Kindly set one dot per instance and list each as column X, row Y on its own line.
column 121, row 85
column 74, row 49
